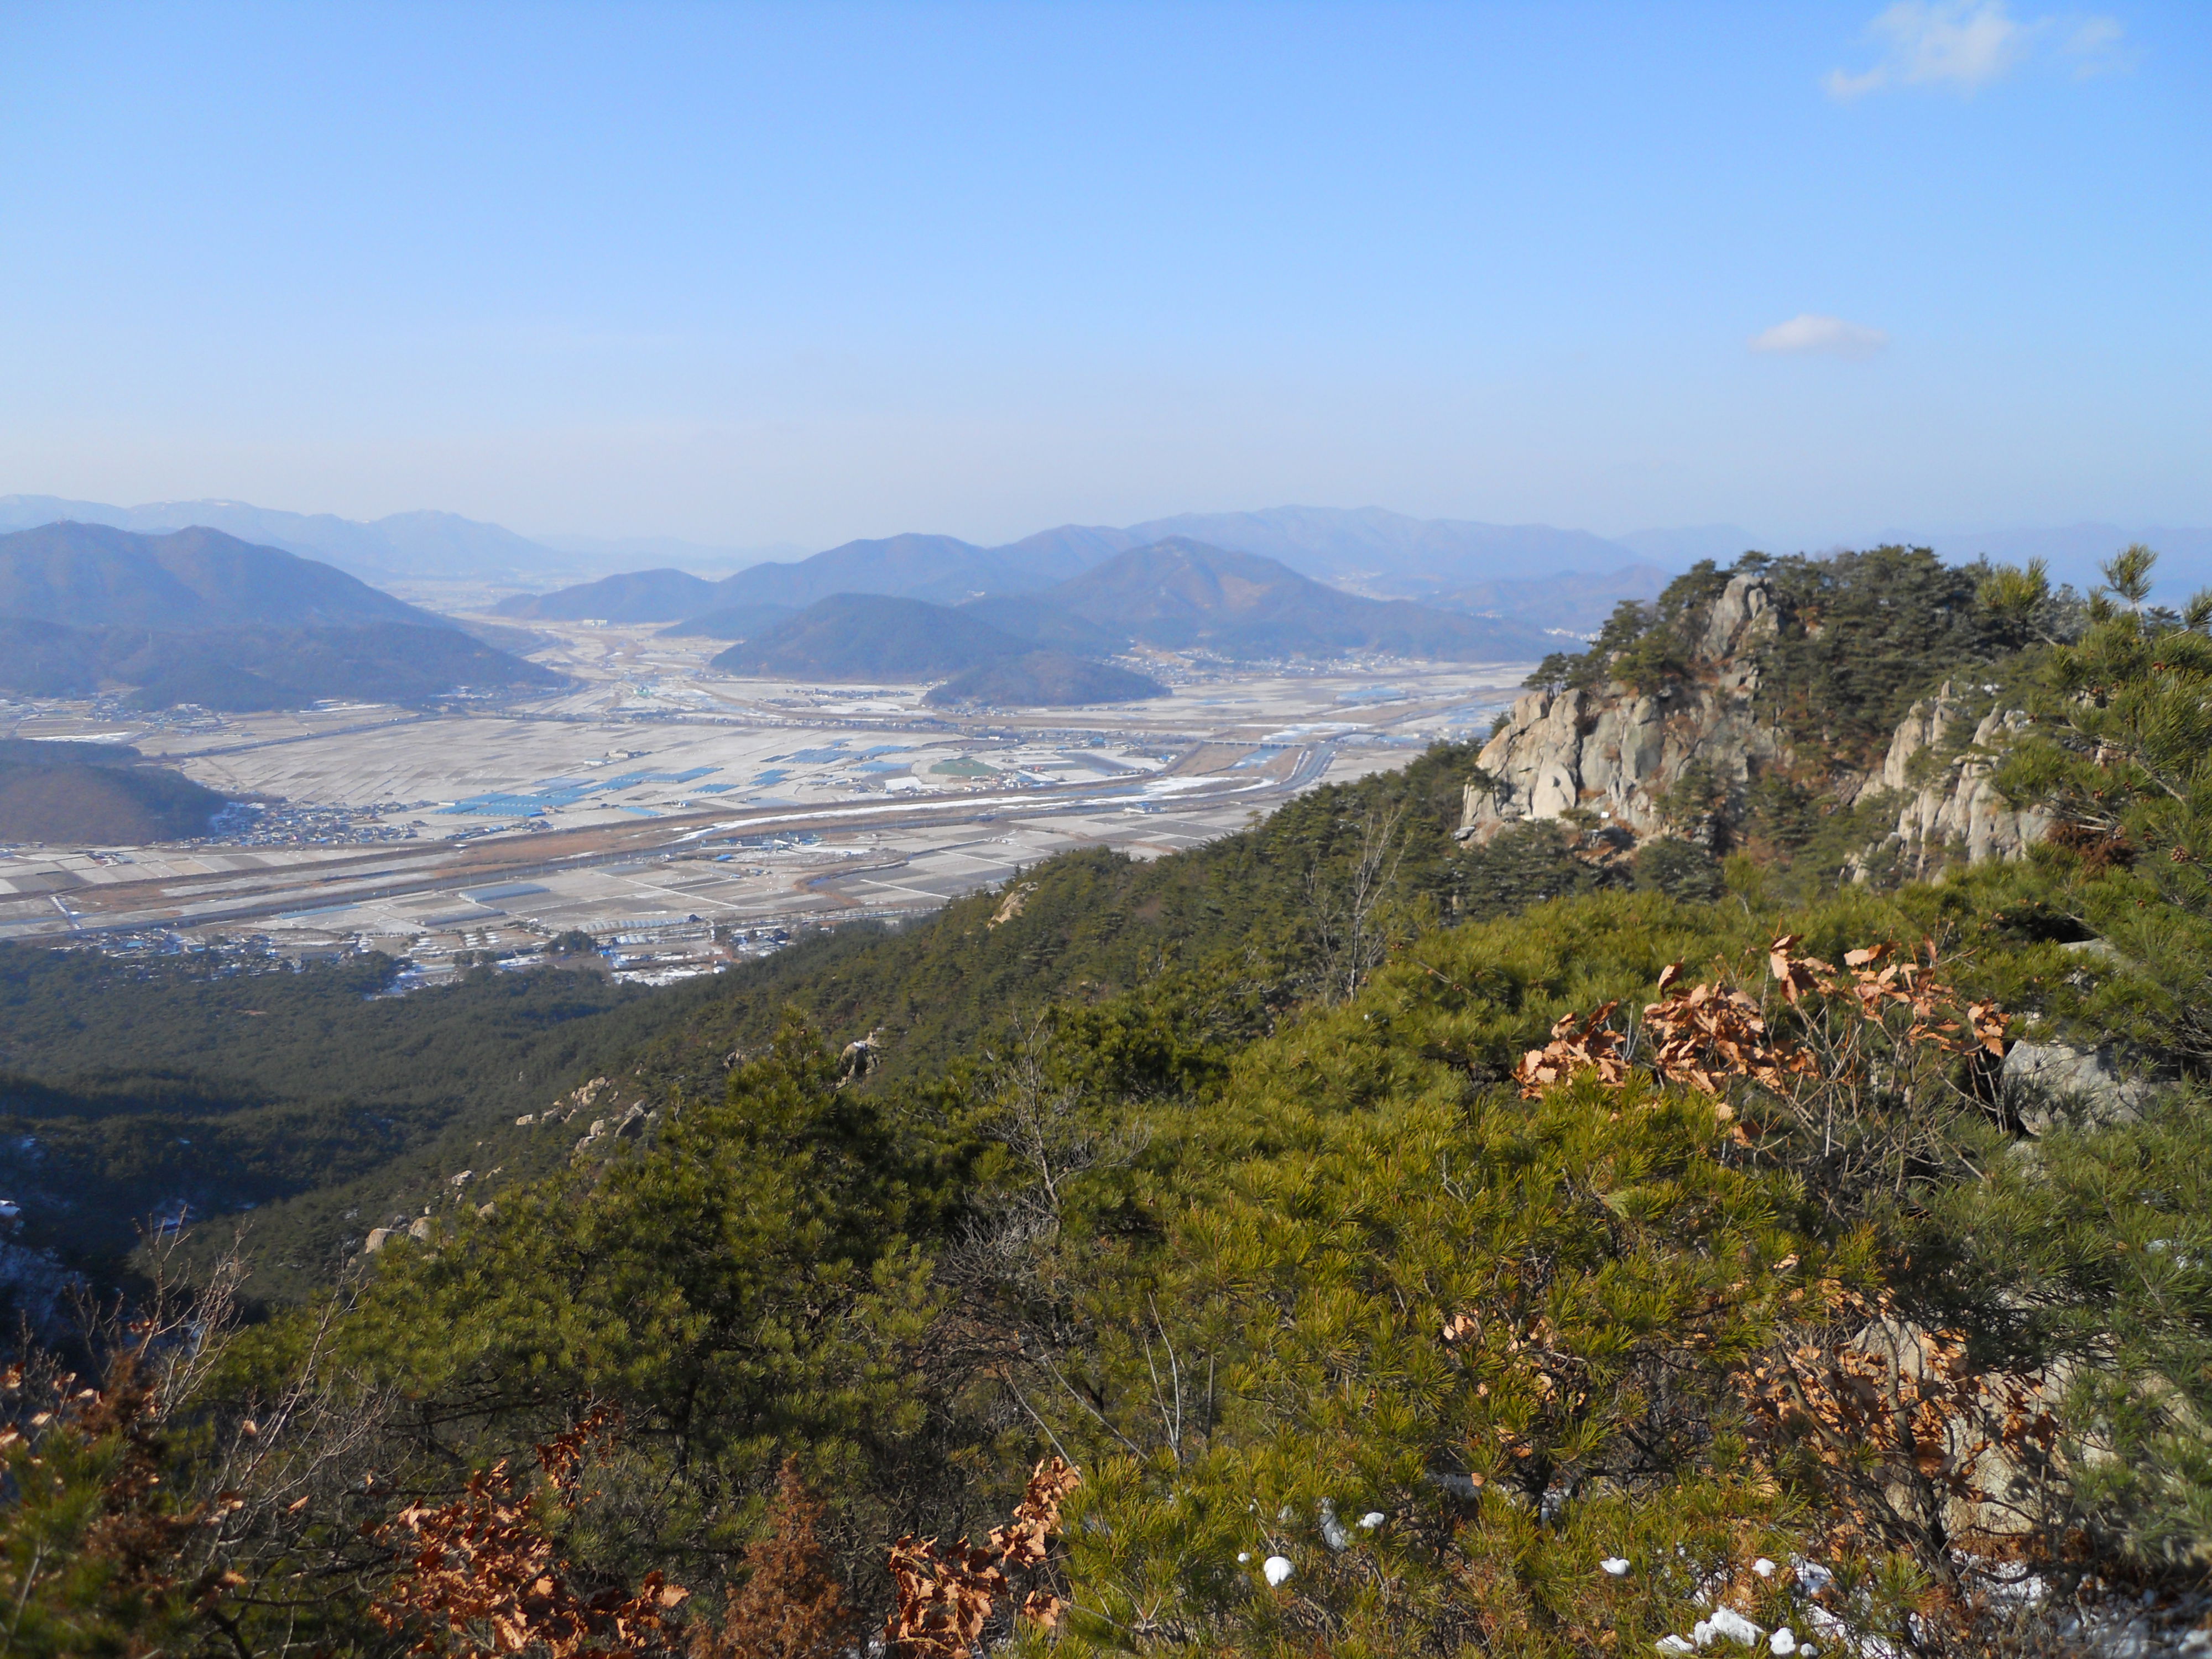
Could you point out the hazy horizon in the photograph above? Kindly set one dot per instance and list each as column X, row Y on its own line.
column 749, row 276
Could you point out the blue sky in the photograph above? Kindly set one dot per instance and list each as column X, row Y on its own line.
column 747, row 274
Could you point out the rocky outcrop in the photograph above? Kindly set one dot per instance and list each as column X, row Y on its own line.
column 1956, row 810
column 630, row 1125
column 1617, row 751
column 2044, row 1083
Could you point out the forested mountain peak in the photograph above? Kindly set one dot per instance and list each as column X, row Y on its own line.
column 197, row 615
column 92, row 575
column 870, row 637
column 1181, row 593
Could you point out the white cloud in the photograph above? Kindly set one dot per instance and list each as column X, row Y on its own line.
column 2097, row 45
column 1807, row 334
column 1966, row 44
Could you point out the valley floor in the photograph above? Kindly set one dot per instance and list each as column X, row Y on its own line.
column 692, row 817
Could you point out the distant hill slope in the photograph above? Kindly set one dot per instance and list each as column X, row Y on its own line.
column 941, row 568
column 1037, row 619
column 242, row 669
column 45, row 659
column 638, row 596
column 667, row 551
column 87, row 575
column 1181, row 593
column 1574, row 600
column 200, row 617
column 1370, row 541
column 1070, row 548
column 871, row 636
column 730, row 622
column 1044, row 679
column 426, row 544
column 100, row 794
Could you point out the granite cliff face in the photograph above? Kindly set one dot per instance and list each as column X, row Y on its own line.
column 1956, row 805
column 1618, row 751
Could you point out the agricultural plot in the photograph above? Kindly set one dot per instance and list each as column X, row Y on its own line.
column 689, row 817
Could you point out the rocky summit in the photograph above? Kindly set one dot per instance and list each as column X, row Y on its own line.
column 1622, row 752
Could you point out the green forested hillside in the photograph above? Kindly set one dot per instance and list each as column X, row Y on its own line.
column 326, row 1100
column 1044, row 679
column 128, row 1087
column 862, row 636
column 1409, row 1248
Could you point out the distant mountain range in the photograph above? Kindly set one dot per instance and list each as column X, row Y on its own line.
column 1175, row 594
column 1385, row 555
column 404, row 545
column 941, row 568
column 90, row 576
column 1535, row 574
column 1528, row 574
column 1334, row 542
column 198, row 616
column 1179, row 593
column 876, row 637
column 1072, row 591
column 603, row 551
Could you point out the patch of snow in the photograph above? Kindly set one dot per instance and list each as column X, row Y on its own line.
column 1332, row 1529
column 1729, row 1623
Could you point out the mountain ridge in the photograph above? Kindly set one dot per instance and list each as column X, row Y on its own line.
column 95, row 575
column 1175, row 595
column 197, row 615
column 1371, row 550
column 871, row 636
column 1179, row 593
column 422, row 543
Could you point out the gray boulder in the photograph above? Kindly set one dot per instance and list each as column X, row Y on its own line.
column 2048, row 1083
